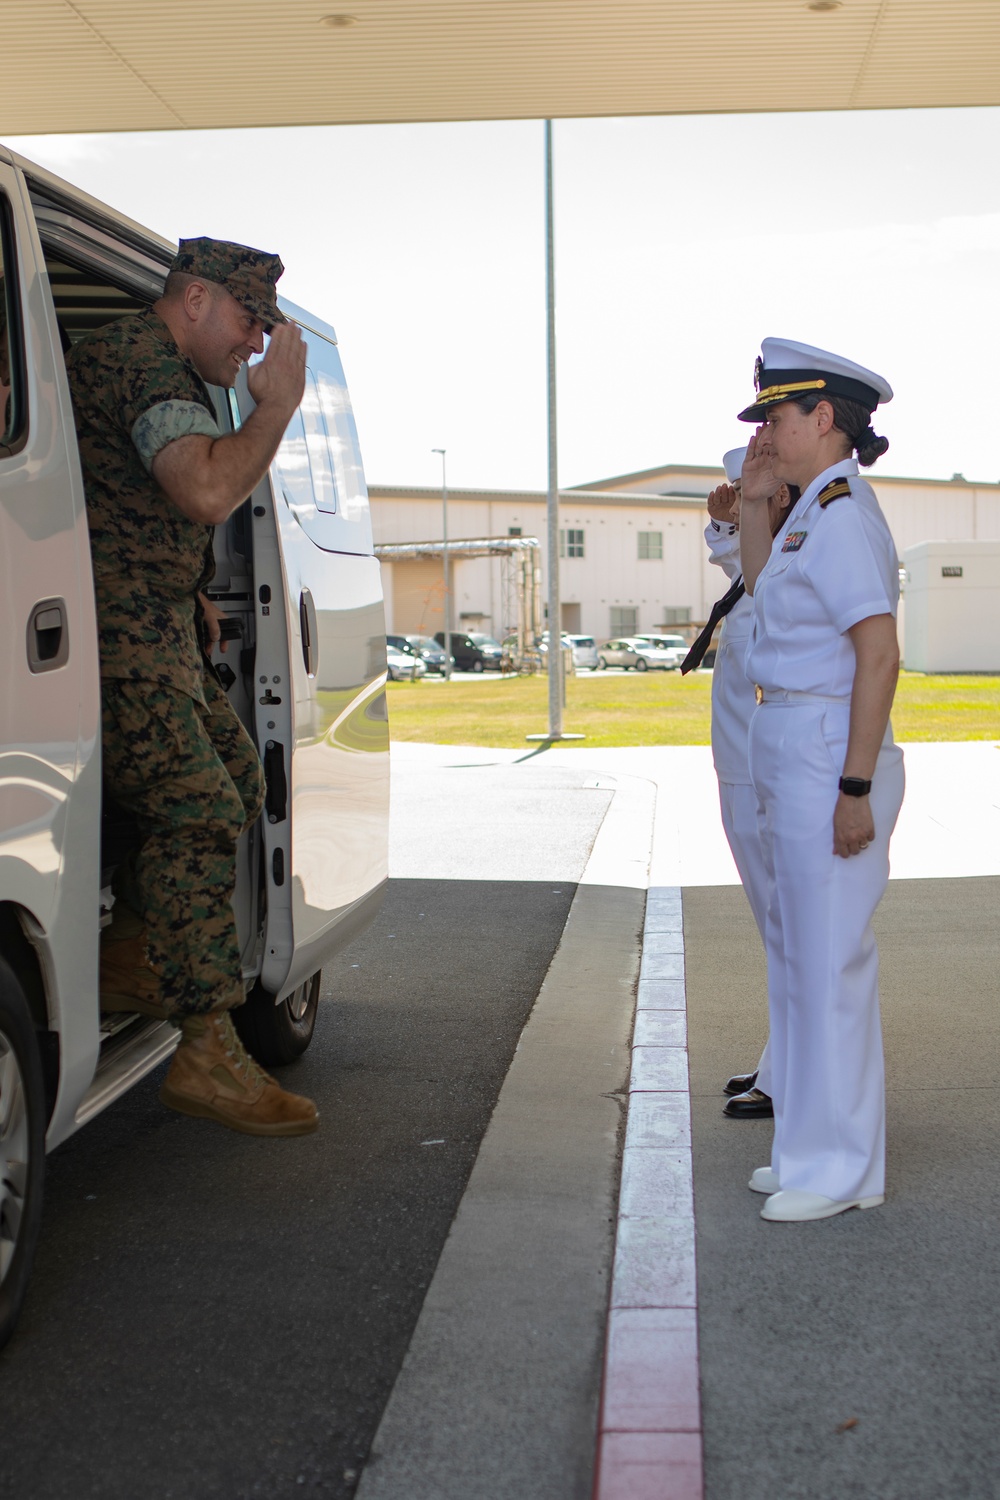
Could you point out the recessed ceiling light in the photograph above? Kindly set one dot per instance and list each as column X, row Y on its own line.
column 825, row 4
column 339, row 21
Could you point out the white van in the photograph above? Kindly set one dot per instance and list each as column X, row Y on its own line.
column 305, row 668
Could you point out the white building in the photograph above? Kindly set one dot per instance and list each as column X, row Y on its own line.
column 633, row 553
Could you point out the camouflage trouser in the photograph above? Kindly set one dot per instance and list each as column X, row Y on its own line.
column 193, row 781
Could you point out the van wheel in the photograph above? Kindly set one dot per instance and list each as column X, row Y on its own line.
column 477, row 666
column 22, row 1148
column 277, row 1034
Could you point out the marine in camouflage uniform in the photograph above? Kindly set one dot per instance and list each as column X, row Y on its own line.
column 176, row 755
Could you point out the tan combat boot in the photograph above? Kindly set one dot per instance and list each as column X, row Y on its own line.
column 213, row 1076
column 128, row 980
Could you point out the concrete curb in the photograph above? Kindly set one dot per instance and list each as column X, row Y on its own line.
column 649, row 1436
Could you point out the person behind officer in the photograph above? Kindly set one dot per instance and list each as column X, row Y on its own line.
column 733, row 704
column 829, row 777
column 159, row 475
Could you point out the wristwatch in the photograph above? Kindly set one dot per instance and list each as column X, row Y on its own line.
column 853, row 786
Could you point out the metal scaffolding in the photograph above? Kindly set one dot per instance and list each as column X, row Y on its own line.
column 520, row 586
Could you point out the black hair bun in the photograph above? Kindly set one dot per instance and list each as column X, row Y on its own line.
column 870, row 446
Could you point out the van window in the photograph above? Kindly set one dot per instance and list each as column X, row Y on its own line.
column 13, row 406
column 318, row 445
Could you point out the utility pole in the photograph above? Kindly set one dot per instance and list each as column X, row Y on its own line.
column 447, row 564
column 555, row 654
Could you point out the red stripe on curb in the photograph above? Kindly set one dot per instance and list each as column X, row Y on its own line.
column 649, row 1433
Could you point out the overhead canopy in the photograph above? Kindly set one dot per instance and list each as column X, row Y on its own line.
column 96, row 65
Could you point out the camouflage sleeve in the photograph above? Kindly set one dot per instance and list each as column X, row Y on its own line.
column 167, row 421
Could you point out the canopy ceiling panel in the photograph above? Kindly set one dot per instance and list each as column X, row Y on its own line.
column 96, row 65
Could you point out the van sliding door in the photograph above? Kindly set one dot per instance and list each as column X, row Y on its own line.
column 319, row 682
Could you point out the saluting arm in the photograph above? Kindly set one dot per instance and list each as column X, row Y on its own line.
column 759, row 484
column 207, row 478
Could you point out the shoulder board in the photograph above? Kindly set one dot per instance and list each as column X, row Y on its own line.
column 835, row 490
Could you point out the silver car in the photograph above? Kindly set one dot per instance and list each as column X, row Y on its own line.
column 584, row 652
column 642, row 654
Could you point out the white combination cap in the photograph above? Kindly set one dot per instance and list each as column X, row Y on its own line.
column 786, row 370
column 733, row 464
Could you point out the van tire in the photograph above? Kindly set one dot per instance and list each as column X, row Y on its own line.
column 477, row 666
column 22, row 1148
column 278, row 1034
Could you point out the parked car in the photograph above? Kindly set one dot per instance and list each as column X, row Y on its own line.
column 584, row 652
column 300, row 587
column 430, row 653
column 474, row 652
column 403, row 666
column 642, row 654
column 674, row 643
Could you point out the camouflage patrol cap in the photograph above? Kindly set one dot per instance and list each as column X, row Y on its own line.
column 248, row 275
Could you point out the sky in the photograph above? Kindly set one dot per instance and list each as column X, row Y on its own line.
column 680, row 242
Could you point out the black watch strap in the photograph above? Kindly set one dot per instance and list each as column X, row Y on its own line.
column 853, row 786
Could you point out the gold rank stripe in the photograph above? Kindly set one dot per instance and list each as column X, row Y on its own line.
column 780, row 392
column 835, row 490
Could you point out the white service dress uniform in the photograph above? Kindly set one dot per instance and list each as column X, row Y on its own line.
column 733, row 704
column 832, row 564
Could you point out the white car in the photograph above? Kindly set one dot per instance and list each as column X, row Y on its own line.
column 584, row 652
column 645, row 655
column 675, row 644
column 300, row 588
column 402, row 667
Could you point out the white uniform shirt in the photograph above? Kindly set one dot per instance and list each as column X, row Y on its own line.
column 830, row 566
column 733, row 697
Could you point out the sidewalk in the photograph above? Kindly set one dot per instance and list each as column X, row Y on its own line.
column 853, row 1357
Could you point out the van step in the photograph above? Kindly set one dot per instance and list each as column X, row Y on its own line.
column 126, row 1056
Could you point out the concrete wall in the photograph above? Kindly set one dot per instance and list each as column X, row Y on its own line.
column 952, row 607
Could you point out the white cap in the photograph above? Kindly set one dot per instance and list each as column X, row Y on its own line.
column 733, row 464
column 787, row 369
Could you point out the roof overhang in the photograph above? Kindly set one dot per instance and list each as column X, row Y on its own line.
column 100, row 65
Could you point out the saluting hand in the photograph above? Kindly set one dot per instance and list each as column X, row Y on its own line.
column 759, row 482
column 724, row 505
column 280, row 377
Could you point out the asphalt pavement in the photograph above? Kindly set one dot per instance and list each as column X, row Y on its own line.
column 857, row 1356
column 214, row 1317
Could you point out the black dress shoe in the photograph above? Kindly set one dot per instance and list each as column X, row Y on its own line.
column 740, row 1082
column 753, row 1105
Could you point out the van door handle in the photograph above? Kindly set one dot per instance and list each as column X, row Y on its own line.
column 310, row 633
column 48, row 636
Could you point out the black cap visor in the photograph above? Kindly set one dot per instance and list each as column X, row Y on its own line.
column 787, row 385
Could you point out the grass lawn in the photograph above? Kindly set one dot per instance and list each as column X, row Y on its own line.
column 655, row 708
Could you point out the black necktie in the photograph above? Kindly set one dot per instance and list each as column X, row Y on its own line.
column 720, row 610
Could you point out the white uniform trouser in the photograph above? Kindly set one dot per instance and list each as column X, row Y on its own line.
column 827, row 1078
column 740, row 819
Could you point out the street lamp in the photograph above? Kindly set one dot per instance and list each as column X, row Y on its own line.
column 447, row 564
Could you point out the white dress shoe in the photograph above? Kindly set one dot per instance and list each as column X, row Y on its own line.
column 764, row 1180
column 795, row 1206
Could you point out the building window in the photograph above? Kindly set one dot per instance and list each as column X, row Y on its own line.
column 571, row 543
column 650, row 544
column 677, row 615
column 624, row 619
column 513, row 531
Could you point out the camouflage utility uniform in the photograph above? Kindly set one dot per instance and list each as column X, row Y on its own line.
column 175, row 753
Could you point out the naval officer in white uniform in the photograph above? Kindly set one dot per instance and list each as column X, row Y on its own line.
column 733, row 705
column 828, row 775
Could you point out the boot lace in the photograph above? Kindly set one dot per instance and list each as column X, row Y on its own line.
column 245, row 1064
